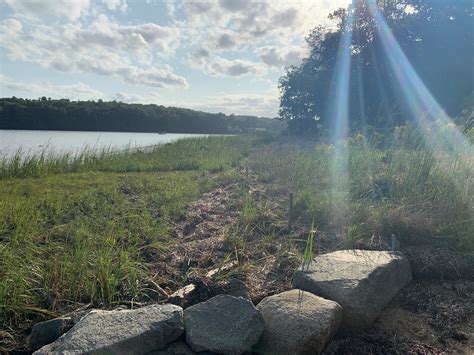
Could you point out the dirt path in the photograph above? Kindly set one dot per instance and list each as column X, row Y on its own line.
column 215, row 233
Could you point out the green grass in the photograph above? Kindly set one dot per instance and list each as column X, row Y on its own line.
column 83, row 228
column 308, row 251
column 211, row 154
column 406, row 190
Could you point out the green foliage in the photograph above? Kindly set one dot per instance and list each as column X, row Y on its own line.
column 121, row 117
column 428, row 35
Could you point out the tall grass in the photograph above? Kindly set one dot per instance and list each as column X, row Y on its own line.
column 406, row 189
column 213, row 153
column 86, row 228
column 308, row 251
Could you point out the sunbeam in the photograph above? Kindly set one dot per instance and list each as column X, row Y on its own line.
column 438, row 129
column 339, row 111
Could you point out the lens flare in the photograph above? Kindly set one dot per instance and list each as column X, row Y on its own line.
column 339, row 111
column 438, row 129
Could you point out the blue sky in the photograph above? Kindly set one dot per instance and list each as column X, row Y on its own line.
column 216, row 56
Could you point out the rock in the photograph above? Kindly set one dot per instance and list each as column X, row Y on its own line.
column 136, row 331
column 297, row 322
column 46, row 332
column 178, row 347
column 363, row 282
column 224, row 324
column 204, row 289
column 184, row 296
column 237, row 288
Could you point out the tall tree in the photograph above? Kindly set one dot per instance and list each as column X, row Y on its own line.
column 436, row 36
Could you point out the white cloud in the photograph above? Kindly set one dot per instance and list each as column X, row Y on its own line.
column 71, row 10
column 102, row 47
column 226, row 38
column 280, row 57
column 153, row 76
column 11, row 27
column 272, row 30
column 148, row 98
column 225, row 41
column 236, row 67
column 77, row 91
column 265, row 105
column 235, row 6
column 198, row 7
column 115, row 5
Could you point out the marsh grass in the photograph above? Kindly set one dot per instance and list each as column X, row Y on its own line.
column 211, row 154
column 84, row 228
column 405, row 189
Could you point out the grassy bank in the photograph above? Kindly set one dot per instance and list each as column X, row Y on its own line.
column 213, row 154
column 82, row 229
column 78, row 228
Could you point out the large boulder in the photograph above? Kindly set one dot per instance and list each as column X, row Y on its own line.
column 363, row 282
column 297, row 322
column 223, row 324
column 138, row 331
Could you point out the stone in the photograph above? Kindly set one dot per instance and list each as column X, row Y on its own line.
column 237, row 288
column 297, row 322
column 178, row 347
column 223, row 324
column 204, row 290
column 46, row 332
column 137, row 331
column 363, row 282
column 185, row 296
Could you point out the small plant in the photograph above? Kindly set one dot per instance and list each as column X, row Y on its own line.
column 308, row 251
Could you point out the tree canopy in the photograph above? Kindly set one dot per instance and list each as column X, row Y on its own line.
column 64, row 114
column 437, row 38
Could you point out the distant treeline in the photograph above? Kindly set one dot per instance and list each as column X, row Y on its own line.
column 47, row 114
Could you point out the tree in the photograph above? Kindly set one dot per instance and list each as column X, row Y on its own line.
column 436, row 36
column 64, row 114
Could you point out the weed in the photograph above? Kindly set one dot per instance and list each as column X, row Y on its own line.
column 308, row 250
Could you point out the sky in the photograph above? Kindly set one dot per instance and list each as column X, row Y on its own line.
column 216, row 56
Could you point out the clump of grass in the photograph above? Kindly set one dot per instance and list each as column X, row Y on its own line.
column 308, row 250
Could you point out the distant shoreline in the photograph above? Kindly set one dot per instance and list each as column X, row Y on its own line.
column 100, row 116
column 105, row 131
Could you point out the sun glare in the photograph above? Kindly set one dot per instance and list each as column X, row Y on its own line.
column 439, row 130
column 339, row 109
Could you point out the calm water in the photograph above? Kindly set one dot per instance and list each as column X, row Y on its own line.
column 55, row 142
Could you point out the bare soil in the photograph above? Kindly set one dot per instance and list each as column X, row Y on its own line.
column 203, row 241
column 425, row 318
